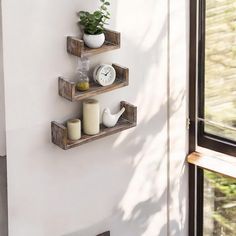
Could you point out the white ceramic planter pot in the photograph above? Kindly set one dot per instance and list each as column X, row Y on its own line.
column 94, row 41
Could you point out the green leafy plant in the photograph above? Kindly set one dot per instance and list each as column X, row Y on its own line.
column 93, row 23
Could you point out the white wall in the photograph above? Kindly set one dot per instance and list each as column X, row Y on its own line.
column 178, row 82
column 2, row 100
column 131, row 183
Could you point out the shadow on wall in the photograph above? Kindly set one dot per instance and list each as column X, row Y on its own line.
column 138, row 219
column 141, row 215
column 143, row 203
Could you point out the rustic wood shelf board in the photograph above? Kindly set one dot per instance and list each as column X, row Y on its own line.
column 68, row 90
column 76, row 46
column 127, row 121
column 105, row 234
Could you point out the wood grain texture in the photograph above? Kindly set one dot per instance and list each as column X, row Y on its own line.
column 112, row 37
column 130, row 112
column 76, row 46
column 59, row 134
column 127, row 121
column 225, row 166
column 104, row 234
column 122, row 73
column 68, row 90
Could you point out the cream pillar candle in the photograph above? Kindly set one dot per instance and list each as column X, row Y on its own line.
column 91, row 113
column 74, row 129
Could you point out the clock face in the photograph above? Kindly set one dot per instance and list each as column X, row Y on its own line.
column 105, row 75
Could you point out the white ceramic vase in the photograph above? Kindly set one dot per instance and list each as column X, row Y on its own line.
column 94, row 41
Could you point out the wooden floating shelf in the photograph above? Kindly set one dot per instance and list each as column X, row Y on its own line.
column 76, row 46
column 127, row 121
column 68, row 90
column 105, row 234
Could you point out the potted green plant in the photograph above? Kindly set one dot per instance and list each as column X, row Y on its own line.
column 93, row 25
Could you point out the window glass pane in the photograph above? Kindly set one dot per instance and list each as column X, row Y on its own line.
column 219, row 205
column 220, row 68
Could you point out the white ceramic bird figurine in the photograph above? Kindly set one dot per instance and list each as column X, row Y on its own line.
column 109, row 120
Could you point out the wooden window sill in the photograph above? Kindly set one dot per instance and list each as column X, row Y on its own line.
column 222, row 165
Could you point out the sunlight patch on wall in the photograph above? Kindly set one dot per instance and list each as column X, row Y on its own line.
column 143, row 33
column 145, row 179
column 151, row 100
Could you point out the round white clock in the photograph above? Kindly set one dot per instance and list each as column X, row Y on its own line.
column 104, row 74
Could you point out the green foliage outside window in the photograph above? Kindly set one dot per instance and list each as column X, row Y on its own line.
column 224, row 202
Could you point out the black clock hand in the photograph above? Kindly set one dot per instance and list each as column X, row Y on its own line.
column 108, row 72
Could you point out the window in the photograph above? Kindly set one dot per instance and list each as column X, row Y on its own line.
column 212, row 196
column 219, row 212
column 217, row 75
